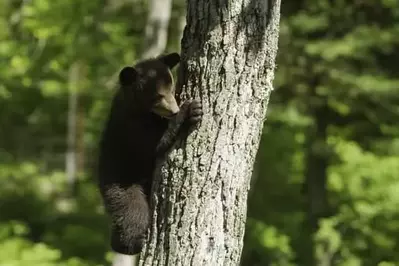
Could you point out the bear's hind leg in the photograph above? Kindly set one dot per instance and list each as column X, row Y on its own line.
column 129, row 210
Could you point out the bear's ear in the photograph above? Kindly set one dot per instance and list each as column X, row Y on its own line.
column 171, row 60
column 127, row 76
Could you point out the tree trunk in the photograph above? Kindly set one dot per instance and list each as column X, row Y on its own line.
column 70, row 159
column 317, row 155
column 200, row 190
column 156, row 31
column 124, row 260
column 182, row 25
column 80, row 143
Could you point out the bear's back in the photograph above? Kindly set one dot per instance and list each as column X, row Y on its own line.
column 128, row 147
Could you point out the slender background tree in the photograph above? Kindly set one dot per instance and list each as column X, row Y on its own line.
column 156, row 31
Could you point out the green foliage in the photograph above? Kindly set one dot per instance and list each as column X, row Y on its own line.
column 367, row 186
column 40, row 42
column 17, row 250
column 336, row 69
column 55, row 228
column 267, row 245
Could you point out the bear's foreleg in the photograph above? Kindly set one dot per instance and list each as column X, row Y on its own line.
column 190, row 114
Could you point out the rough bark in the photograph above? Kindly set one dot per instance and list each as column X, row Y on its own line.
column 200, row 190
column 156, row 32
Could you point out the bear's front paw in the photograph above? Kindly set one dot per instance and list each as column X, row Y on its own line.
column 195, row 112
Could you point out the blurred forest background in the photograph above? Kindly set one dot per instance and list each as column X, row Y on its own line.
column 326, row 183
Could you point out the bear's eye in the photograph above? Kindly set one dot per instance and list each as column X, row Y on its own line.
column 158, row 97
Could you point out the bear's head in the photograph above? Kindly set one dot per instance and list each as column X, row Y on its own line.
column 150, row 84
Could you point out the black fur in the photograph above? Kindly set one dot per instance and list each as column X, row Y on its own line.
column 132, row 140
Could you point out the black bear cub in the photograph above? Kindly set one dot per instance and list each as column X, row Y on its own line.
column 143, row 123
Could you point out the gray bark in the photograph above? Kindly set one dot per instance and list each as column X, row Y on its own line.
column 156, row 32
column 200, row 190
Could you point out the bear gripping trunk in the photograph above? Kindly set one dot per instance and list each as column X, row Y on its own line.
column 200, row 189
